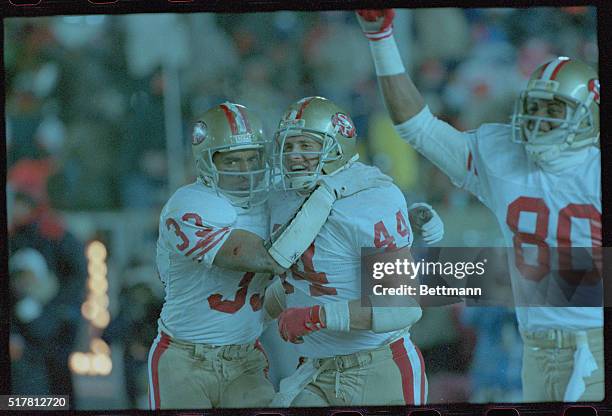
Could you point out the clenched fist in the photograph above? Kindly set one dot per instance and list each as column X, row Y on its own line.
column 376, row 24
column 426, row 222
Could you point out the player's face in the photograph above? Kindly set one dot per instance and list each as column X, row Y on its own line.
column 551, row 109
column 300, row 154
column 231, row 164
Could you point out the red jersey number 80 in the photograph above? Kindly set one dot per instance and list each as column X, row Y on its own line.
column 538, row 207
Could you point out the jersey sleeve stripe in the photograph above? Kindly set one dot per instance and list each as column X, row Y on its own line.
column 205, row 241
column 469, row 164
column 211, row 245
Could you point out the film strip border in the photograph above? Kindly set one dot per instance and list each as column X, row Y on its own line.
column 13, row 8
column 557, row 409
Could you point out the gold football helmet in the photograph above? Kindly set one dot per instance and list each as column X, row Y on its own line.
column 322, row 121
column 547, row 133
column 232, row 130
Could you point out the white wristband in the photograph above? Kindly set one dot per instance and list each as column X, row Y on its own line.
column 337, row 316
column 387, row 59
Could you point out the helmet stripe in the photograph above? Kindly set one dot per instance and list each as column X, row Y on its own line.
column 237, row 118
column 541, row 71
column 231, row 117
column 303, row 105
column 556, row 71
column 553, row 68
column 244, row 119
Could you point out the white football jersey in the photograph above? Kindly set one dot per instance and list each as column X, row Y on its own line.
column 537, row 211
column 329, row 270
column 204, row 303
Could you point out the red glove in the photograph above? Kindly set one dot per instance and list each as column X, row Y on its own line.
column 293, row 323
column 376, row 24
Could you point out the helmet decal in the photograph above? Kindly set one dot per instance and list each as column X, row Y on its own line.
column 593, row 87
column 344, row 125
column 200, row 131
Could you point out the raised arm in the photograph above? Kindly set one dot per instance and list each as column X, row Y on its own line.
column 441, row 143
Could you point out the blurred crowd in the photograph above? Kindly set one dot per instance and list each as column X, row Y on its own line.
column 88, row 122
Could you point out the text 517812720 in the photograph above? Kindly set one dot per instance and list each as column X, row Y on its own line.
column 13, row 402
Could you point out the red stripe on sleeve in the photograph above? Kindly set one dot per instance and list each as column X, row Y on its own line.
column 208, row 238
column 211, row 245
column 469, row 164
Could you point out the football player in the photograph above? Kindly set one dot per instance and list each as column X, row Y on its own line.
column 540, row 176
column 215, row 266
column 349, row 355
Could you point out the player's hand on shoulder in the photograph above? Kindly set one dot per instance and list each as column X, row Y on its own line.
column 376, row 24
column 357, row 178
column 426, row 222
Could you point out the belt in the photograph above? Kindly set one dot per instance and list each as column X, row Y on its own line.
column 556, row 338
column 200, row 349
column 359, row 358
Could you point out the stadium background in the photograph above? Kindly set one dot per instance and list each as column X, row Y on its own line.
column 98, row 114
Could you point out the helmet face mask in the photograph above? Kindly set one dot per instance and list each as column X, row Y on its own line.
column 574, row 120
column 557, row 115
column 314, row 138
column 231, row 154
column 242, row 175
column 301, row 157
